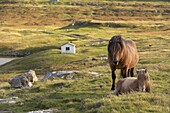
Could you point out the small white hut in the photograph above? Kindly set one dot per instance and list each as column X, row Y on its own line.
column 68, row 48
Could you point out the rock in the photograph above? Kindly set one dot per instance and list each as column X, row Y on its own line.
column 54, row 1
column 61, row 74
column 31, row 76
column 23, row 80
column 11, row 100
column 45, row 111
column 65, row 75
column 20, row 81
column 7, row 112
column 94, row 73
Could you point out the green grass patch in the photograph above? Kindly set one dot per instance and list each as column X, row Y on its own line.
column 36, row 32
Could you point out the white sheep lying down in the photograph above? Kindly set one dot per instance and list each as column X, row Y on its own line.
column 139, row 83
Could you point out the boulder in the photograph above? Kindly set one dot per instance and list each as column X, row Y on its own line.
column 23, row 80
column 52, row 1
column 61, row 74
column 11, row 100
column 31, row 76
column 41, row 111
column 45, row 111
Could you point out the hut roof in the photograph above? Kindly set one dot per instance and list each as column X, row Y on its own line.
column 68, row 43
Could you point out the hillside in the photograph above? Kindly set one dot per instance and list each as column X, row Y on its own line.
column 34, row 31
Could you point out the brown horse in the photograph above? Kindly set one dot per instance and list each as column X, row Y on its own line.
column 122, row 54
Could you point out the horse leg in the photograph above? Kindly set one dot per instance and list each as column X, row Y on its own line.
column 125, row 72
column 132, row 72
column 113, row 79
column 129, row 70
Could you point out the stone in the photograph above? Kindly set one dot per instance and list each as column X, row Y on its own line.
column 31, row 76
column 11, row 100
column 24, row 80
column 59, row 74
column 54, row 1
column 45, row 111
column 94, row 73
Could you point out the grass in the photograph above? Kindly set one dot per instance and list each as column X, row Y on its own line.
column 41, row 29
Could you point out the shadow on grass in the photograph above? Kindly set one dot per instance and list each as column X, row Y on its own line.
column 28, row 51
column 90, row 24
column 5, row 87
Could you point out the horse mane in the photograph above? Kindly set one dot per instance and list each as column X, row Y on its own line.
column 116, row 39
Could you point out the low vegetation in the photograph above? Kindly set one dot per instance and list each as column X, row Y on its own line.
column 35, row 32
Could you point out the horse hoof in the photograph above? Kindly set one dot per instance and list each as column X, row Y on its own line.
column 112, row 89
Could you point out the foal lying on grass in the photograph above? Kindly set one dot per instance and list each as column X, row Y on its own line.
column 141, row 83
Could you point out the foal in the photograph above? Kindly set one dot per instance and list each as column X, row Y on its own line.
column 141, row 83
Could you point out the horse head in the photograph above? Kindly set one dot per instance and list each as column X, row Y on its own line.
column 115, row 48
column 143, row 78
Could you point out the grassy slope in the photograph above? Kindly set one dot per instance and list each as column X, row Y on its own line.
column 41, row 36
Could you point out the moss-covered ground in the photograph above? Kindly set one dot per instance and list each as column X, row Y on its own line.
column 36, row 31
